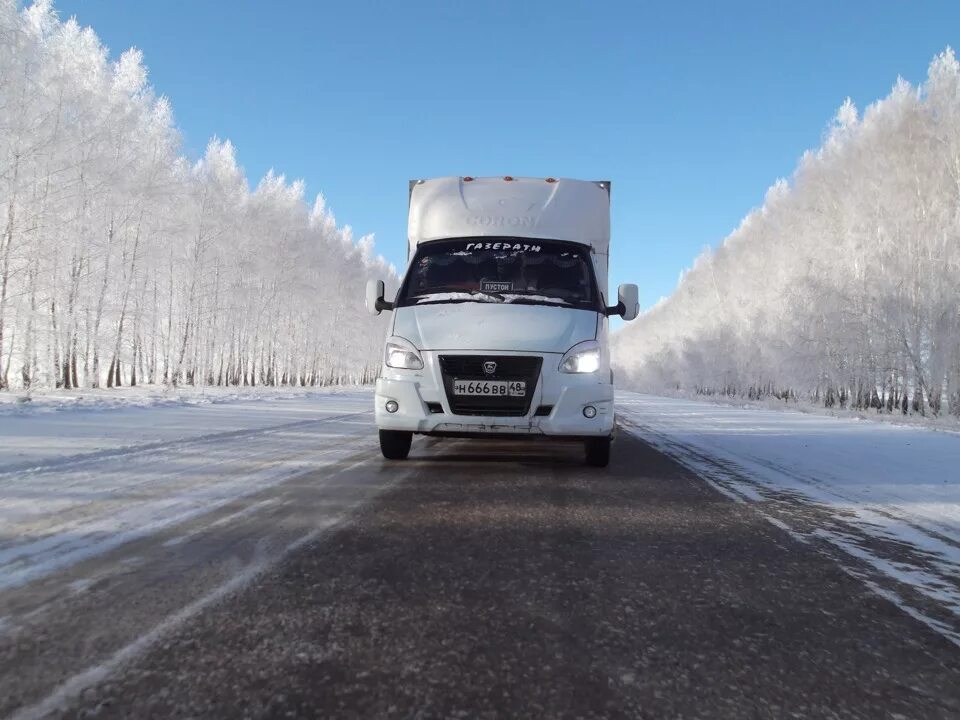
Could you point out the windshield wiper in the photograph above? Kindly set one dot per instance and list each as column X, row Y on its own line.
column 459, row 297
column 479, row 296
column 532, row 298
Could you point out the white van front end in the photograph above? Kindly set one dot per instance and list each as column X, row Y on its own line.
column 547, row 361
column 500, row 324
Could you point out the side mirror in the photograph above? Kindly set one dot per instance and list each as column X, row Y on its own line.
column 629, row 298
column 628, row 305
column 375, row 301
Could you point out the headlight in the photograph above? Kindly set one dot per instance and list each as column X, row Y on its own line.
column 401, row 353
column 582, row 358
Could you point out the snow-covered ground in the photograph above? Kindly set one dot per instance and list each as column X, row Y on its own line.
column 34, row 427
column 44, row 400
column 943, row 422
column 882, row 499
column 82, row 475
column 81, row 481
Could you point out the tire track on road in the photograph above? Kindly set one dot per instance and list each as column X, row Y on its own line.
column 70, row 461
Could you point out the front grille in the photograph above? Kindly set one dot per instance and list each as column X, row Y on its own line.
column 470, row 367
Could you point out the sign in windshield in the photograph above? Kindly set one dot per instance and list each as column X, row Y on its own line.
column 501, row 270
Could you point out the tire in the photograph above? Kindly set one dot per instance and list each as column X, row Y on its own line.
column 395, row 444
column 598, row 452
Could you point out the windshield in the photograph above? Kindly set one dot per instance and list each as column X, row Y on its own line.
column 501, row 270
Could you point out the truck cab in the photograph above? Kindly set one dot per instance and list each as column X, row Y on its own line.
column 500, row 325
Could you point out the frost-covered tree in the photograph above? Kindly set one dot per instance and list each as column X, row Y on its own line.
column 121, row 262
column 843, row 287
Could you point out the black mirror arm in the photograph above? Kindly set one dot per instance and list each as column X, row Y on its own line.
column 618, row 309
column 383, row 305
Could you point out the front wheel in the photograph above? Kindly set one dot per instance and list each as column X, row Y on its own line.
column 598, row 452
column 395, row 444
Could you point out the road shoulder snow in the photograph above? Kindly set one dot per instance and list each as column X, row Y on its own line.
column 882, row 500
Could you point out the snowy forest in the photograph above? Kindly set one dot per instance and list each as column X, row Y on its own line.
column 124, row 262
column 844, row 287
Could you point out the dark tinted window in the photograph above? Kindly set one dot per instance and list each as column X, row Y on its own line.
column 514, row 270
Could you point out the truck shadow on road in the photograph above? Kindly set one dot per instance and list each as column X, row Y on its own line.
column 522, row 452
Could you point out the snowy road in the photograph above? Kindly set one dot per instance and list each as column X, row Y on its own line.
column 258, row 557
column 71, row 505
column 117, row 520
column 884, row 500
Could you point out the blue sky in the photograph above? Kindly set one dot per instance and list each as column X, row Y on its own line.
column 691, row 109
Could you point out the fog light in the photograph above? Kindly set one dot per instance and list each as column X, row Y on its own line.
column 589, row 412
column 392, row 406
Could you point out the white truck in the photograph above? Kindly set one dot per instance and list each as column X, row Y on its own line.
column 500, row 324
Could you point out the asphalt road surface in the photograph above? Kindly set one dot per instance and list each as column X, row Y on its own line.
column 476, row 580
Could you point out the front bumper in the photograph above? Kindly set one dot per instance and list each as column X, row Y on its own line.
column 567, row 393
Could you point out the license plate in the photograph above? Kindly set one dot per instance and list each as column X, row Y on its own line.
column 490, row 388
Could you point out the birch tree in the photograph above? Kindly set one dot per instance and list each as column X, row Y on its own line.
column 123, row 262
column 842, row 287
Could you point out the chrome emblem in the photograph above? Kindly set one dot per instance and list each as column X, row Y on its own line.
column 489, row 367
